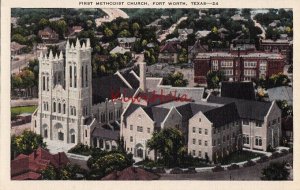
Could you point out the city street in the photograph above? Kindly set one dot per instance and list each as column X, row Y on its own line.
column 248, row 173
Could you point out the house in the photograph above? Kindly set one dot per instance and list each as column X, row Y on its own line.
column 127, row 43
column 48, row 35
column 202, row 33
column 281, row 93
column 29, row 167
column 16, row 48
column 183, row 33
column 131, row 173
column 169, row 53
column 74, row 31
column 119, row 49
column 239, row 90
column 238, row 17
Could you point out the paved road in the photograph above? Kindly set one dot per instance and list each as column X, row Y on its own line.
column 24, row 102
column 17, row 66
column 248, row 173
column 17, row 130
column 112, row 15
column 171, row 29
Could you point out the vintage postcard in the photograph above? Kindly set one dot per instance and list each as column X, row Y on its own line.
column 163, row 92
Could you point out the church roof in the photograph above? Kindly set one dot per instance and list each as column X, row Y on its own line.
column 106, row 133
column 239, row 90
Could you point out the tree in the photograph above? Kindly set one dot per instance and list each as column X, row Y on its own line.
column 124, row 33
column 175, row 79
column 278, row 80
column 286, row 109
column 69, row 172
column 108, row 32
column 102, row 163
column 43, row 23
column 19, row 39
column 275, row 171
column 26, row 143
column 214, row 78
column 49, row 173
column 169, row 142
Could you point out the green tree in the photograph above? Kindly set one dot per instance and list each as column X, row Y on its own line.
column 43, row 23
column 49, row 173
column 214, row 78
column 26, row 143
column 108, row 32
column 175, row 79
column 278, row 80
column 102, row 163
column 169, row 142
column 124, row 33
column 19, row 39
column 286, row 109
column 69, row 172
column 275, row 171
column 214, row 30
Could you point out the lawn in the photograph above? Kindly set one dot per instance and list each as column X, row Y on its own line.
column 24, row 109
column 239, row 156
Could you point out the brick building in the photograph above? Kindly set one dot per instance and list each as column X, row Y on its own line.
column 283, row 46
column 238, row 65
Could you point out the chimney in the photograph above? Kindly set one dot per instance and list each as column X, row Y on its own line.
column 143, row 76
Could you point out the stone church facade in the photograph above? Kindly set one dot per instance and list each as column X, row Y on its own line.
column 65, row 99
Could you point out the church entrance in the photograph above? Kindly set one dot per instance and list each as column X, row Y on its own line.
column 73, row 138
column 139, row 151
column 72, row 135
column 58, row 132
column 60, row 136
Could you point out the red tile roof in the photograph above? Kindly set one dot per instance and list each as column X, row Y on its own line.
column 37, row 161
column 131, row 173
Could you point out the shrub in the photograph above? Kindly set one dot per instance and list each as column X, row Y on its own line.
column 218, row 169
column 233, row 167
column 249, row 163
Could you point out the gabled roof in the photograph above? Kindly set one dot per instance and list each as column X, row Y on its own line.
column 247, row 109
column 106, row 87
column 131, row 79
column 106, row 133
column 222, row 115
column 36, row 161
column 169, row 47
column 281, row 93
column 119, row 50
column 127, row 40
column 239, row 90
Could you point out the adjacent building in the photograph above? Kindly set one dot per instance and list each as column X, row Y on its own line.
column 238, row 65
column 169, row 53
column 48, row 35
